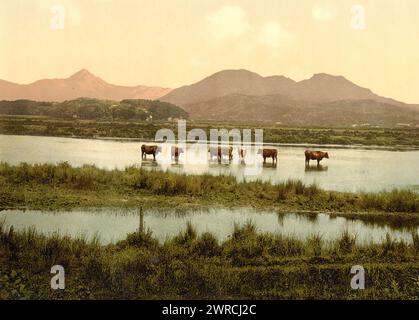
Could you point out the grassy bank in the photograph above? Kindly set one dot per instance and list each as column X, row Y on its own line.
column 47, row 186
column 247, row 265
column 143, row 130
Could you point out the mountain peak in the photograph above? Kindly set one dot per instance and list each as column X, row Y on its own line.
column 81, row 84
column 83, row 74
column 326, row 76
column 234, row 73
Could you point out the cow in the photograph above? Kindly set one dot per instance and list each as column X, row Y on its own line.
column 218, row 152
column 269, row 153
column 176, row 151
column 145, row 150
column 242, row 153
column 315, row 155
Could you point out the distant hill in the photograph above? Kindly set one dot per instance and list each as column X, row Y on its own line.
column 321, row 100
column 80, row 84
column 280, row 109
column 87, row 108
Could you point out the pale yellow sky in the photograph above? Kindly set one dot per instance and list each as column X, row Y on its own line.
column 175, row 42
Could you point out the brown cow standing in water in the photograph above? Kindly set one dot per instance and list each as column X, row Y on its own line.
column 176, row 151
column 242, row 153
column 218, row 152
column 145, row 150
column 269, row 153
column 315, row 155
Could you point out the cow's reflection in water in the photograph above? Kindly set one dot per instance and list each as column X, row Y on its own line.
column 149, row 164
column 269, row 165
column 215, row 164
column 315, row 168
column 177, row 165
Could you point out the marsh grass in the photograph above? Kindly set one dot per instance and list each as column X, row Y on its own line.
column 391, row 201
column 346, row 242
column 296, row 187
column 44, row 185
column 186, row 237
column 248, row 264
column 207, row 245
column 141, row 239
column 415, row 240
column 315, row 244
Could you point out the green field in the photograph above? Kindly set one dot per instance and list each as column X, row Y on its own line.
column 249, row 265
column 146, row 130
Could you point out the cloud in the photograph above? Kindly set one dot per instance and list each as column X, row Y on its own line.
column 274, row 35
column 322, row 13
column 196, row 63
column 228, row 22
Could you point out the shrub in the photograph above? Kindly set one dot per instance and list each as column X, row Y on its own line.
column 296, row 187
column 142, row 239
column 244, row 244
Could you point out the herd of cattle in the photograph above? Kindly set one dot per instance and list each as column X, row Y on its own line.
column 218, row 152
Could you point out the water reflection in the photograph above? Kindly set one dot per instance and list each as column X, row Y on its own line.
column 270, row 165
column 114, row 224
column 316, row 168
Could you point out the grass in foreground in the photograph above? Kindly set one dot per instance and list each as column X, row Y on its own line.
column 247, row 265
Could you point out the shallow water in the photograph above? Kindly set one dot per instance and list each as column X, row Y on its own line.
column 111, row 225
column 347, row 169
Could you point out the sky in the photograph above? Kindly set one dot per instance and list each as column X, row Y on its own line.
column 170, row 43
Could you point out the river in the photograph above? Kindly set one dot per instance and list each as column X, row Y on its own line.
column 348, row 169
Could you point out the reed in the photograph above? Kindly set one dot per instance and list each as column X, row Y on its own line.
column 246, row 265
column 45, row 185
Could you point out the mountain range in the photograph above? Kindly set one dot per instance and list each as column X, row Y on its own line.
column 319, row 88
column 321, row 100
column 241, row 95
column 80, row 84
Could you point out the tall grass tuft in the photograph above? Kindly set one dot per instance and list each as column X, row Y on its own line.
column 142, row 239
column 389, row 245
column 248, row 230
column 346, row 242
column 391, row 201
column 315, row 244
column 245, row 243
column 188, row 236
column 415, row 239
column 291, row 188
column 207, row 245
